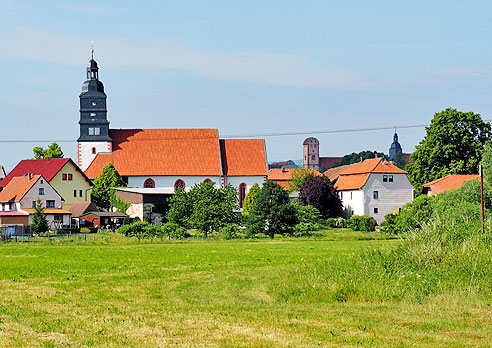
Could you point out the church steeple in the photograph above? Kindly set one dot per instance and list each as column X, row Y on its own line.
column 94, row 125
column 395, row 147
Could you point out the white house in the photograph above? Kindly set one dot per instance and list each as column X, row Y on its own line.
column 374, row 187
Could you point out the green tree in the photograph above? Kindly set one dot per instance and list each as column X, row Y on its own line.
column 53, row 151
column 272, row 213
column 104, row 186
column 249, row 200
column 212, row 207
column 356, row 157
column 486, row 163
column 205, row 207
column 319, row 192
column 399, row 160
column 298, row 177
column 39, row 222
column 453, row 144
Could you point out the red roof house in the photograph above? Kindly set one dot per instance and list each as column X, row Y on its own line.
column 447, row 183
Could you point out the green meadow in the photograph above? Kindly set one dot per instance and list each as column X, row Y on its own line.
column 115, row 292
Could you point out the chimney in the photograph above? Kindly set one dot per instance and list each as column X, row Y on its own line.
column 361, row 158
column 29, row 177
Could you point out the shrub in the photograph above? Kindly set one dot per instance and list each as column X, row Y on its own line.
column 136, row 229
column 179, row 233
column 390, row 225
column 88, row 230
column 229, row 231
column 305, row 229
column 362, row 223
column 330, row 222
column 168, row 228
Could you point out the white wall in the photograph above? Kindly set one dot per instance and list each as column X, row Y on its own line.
column 169, row 181
column 391, row 195
column 235, row 181
column 353, row 202
column 85, row 155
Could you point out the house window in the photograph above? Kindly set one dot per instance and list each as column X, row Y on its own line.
column 341, row 195
column 93, row 150
column 350, row 195
column 58, row 217
column 41, row 191
column 69, row 176
column 385, row 178
column 75, row 193
column 149, row 183
column 179, row 183
column 375, row 195
column 11, row 206
column 376, row 210
column 64, row 176
column 390, row 178
column 34, row 204
column 242, row 194
column 80, row 193
column 50, row 204
column 207, row 180
column 42, row 181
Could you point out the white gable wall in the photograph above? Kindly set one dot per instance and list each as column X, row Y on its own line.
column 235, row 181
column 391, row 195
column 33, row 195
column 353, row 202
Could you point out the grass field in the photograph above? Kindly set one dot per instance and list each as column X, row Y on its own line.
column 209, row 294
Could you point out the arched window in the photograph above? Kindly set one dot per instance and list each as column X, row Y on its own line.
column 242, row 194
column 93, row 150
column 207, row 180
column 149, row 183
column 179, row 183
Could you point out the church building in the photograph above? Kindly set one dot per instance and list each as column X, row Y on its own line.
column 163, row 158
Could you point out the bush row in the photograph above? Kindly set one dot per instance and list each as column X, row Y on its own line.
column 142, row 229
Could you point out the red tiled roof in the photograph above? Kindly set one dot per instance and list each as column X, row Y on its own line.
column 351, row 182
column 161, row 152
column 282, row 176
column 328, row 162
column 243, row 157
column 448, row 182
column 45, row 167
column 79, row 208
column 373, row 165
column 17, row 188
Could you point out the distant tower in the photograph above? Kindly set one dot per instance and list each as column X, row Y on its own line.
column 94, row 125
column 394, row 148
column 311, row 153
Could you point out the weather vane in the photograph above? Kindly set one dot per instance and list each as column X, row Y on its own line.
column 92, row 49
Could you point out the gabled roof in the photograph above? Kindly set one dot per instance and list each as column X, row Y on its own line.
column 282, row 176
column 79, row 208
column 351, row 182
column 334, row 173
column 148, row 152
column 355, row 175
column 48, row 168
column 373, row 165
column 447, row 183
column 243, row 157
column 18, row 187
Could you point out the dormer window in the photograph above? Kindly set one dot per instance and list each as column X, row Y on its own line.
column 93, row 103
column 93, row 114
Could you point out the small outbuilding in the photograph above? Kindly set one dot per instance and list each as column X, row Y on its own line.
column 101, row 218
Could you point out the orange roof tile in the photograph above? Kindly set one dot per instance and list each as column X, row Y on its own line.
column 373, row 165
column 448, row 182
column 351, row 182
column 334, row 173
column 17, row 188
column 243, row 157
column 50, row 211
column 282, row 176
column 161, row 152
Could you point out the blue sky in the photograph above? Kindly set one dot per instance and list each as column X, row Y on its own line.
column 245, row 67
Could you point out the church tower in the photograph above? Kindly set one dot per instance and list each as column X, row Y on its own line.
column 94, row 125
column 394, row 148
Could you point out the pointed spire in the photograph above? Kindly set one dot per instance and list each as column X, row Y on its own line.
column 92, row 49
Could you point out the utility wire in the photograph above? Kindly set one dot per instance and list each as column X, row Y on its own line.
column 232, row 136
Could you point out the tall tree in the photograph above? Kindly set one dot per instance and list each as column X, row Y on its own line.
column 53, row 151
column 298, row 177
column 272, row 213
column 39, row 222
column 453, row 144
column 104, row 186
column 249, row 200
column 318, row 192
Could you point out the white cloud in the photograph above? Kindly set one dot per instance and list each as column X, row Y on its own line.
column 277, row 69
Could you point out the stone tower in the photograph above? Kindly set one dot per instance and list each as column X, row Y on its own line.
column 94, row 125
column 311, row 153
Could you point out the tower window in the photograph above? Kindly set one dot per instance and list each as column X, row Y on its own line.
column 93, row 103
column 97, row 131
column 93, row 150
column 91, row 130
column 93, row 114
column 313, row 157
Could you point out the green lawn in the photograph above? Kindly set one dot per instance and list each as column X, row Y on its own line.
column 208, row 294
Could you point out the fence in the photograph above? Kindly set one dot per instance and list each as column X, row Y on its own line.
column 15, row 232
